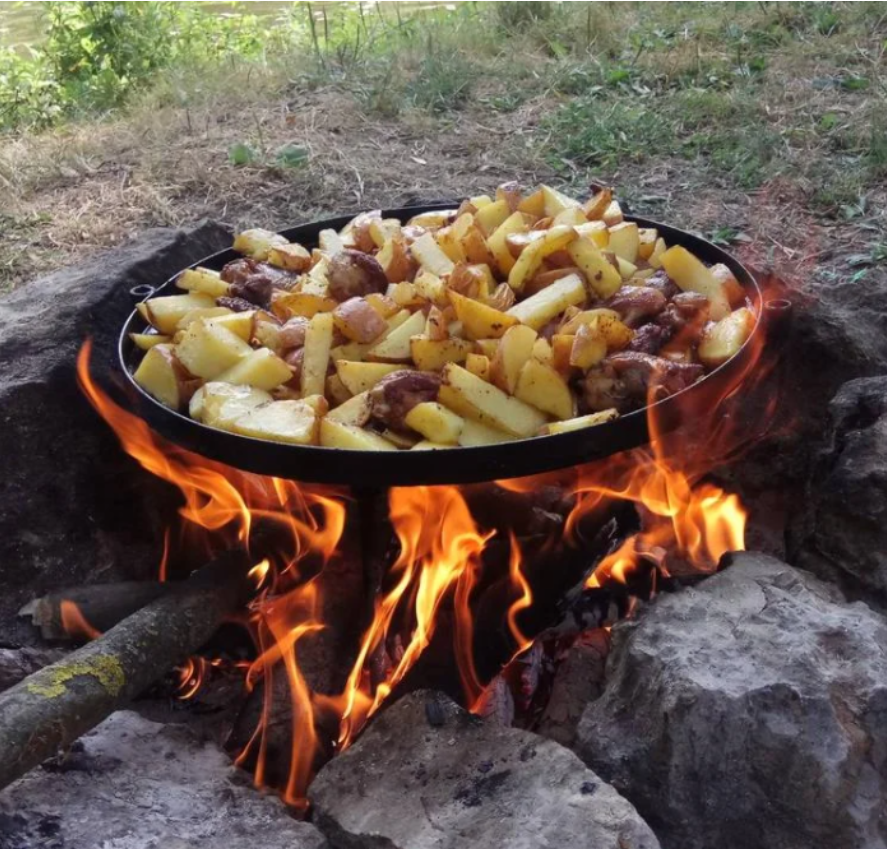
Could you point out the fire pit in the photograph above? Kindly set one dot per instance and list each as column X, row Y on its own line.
column 361, row 577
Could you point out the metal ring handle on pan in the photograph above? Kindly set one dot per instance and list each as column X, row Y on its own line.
column 457, row 465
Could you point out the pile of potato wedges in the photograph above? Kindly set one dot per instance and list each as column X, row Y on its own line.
column 520, row 315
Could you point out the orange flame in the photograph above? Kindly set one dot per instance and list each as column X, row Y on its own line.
column 75, row 623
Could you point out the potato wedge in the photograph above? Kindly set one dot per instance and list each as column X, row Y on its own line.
column 613, row 214
column 722, row 340
column 262, row 369
column 530, row 259
column 732, row 287
column 239, row 323
column 330, row 241
column 476, row 434
column 318, row 342
column 542, row 351
column 334, row 434
column 166, row 312
column 430, row 256
column 207, row 350
column 356, row 320
column 491, row 216
column 480, row 321
column 514, row 349
column 219, row 404
column 543, row 388
column 291, row 257
column 257, row 243
column 555, row 201
column 435, row 422
column 624, row 241
column 433, row 354
column 163, row 377
column 203, row 280
column 471, row 397
column 517, row 222
column 655, row 258
column 647, row 237
column 691, row 275
column 561, row 351
column 395, row 345
column 537, row 310
column 203, row 312
column 289, row 304
column 293, row 422
column 434, row 219
column 146, row 341
column 359, row 377
column 478, row 364
column 597, row 232
column 595, row 207
column 580, row 422
column 355, row 411
column 589, row 347
column 602, row 276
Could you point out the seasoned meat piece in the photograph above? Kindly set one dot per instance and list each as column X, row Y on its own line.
column 637, row 304
column 397, row 393
column 235, row 304
column 686, row 314
column 600, row 389
column 292, row 334
column 254, row 281
column 661, row 281
column 353, row 274
column 648, row 339
column 637, row 370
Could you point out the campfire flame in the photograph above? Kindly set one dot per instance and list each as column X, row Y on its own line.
column 687, row 523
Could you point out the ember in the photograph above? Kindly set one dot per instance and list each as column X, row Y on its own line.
column 446, row 565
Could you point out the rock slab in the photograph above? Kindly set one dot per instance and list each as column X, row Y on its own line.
column 842, row 532
column 428, row 775
column 73, row 507
column 136, row 784
column 748, row 713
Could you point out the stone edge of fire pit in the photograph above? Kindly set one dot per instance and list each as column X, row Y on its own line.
column 428, row 774
column 748, row 711
column 137, row 784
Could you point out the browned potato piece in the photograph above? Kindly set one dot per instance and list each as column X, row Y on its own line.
column 542, row 387
column 480, row 321
column 723, row 340
column 358, row 321
column 292, row 257
column 514, row 349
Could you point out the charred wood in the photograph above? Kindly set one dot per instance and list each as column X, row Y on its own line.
column 53, row 707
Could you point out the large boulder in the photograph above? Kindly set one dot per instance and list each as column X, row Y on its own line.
column 72, row 507
column 841, row 533
column 426, row 774
column 136, row 784
column 749, row 712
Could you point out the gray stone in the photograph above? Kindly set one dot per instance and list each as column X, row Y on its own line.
column 73, row 508
column 427, row 774
column 748, row 713
column 137, row 784
column 842, row 531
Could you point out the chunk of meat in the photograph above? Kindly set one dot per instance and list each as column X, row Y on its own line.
column 639, row 371
column 636, row 304
column 353, row 274
column 397, row 393
column 253, row 281
column 292, row 334
column 661, row 281
column 648, row 339
column 686, row 316
column 601, row 389
column 235, row 304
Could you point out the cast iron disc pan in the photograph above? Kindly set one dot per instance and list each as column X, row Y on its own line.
column 369, row 469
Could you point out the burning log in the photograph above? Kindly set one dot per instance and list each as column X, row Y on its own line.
column 53, row 707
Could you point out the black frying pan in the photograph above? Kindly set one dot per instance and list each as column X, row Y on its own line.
column 455, row 465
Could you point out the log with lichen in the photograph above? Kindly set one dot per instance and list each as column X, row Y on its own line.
column 53, row 707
